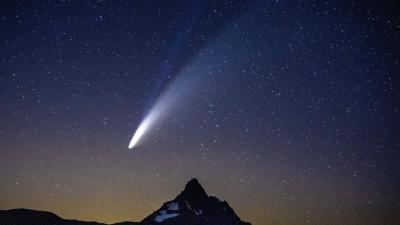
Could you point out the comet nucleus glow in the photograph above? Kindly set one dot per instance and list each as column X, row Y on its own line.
column 141, row 130
column 147, row 122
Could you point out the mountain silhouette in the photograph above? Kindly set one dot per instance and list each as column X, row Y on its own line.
column 194, row 207
column 191, row 207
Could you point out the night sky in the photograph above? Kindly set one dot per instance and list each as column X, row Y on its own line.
column 288, row 110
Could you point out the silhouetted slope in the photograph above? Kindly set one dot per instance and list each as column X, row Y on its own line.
column 34, row 217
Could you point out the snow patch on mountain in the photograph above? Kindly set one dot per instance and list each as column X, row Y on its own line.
column 198, row 212
column 188, row 205
column 173, row 206
column 163, row 215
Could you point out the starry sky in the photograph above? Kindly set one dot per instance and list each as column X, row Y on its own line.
column 290, row 110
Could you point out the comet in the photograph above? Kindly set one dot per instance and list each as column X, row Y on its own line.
column 148, row 121
column 188, row 86
column 175, row 97
column 141, row 130
column 168, row 102
column 170, row 95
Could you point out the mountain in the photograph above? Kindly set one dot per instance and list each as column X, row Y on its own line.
column 191, row 207
column 194, row 207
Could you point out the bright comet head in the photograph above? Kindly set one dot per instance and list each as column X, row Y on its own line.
column 144, row 126
column 138, row 134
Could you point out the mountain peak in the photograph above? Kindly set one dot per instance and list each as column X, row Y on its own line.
column 194, row 186
column 193, row 192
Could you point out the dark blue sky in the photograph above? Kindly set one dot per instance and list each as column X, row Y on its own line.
column 291, row 114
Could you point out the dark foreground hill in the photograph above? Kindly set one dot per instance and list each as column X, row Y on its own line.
column 191, row 207
column 34, row 217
